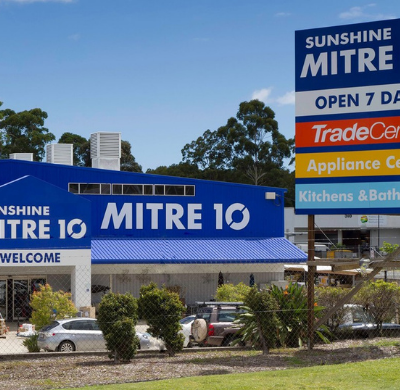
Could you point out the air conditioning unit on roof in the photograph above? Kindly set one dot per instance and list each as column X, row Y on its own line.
column 60, row 154
column 105, row 150
column 21, row 156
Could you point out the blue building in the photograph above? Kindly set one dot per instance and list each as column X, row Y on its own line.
column 92, row 230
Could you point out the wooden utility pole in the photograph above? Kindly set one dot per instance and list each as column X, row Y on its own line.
column 310, row 281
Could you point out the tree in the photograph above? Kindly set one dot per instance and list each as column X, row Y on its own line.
column 48, row 305
column 259, row 320
column 117, row 318
column 328, row 298
column 293, row 314
column 180, row 170
column 388, row 248
column 162, row 309
column 24, row 132
column 128, row 162
column 380, row 299
column 250, row 144
column 81, row 148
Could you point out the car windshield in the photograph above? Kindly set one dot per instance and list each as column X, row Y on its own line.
column 49, row 327
column 186, row 320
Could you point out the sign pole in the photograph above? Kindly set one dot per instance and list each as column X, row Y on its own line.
column 310, row 281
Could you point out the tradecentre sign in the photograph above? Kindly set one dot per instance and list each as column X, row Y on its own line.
column 348, row 119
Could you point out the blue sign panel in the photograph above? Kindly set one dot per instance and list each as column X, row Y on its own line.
column 348, row 56
column 228, row 211
column 48, row 218
column 347, row 117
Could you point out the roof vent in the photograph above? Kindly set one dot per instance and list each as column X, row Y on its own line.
column 60, row 154
column 22, row 156
column 105, row 150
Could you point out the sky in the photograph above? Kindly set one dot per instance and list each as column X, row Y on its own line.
column 160, row 72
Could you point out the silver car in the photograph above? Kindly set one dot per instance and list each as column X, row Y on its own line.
column 84, row 334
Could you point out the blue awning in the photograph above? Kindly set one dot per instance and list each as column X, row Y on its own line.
column 191, row 251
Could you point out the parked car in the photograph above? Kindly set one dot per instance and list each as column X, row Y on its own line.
column 214, row 325
column 84, row 334
column 357, row 322
column 186, row 325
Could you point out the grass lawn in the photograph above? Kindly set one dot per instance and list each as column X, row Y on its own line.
column 369, row 375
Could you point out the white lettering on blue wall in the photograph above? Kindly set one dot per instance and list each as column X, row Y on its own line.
column 41, row 229
column 25, row 210
column 176, row 216
column 349, row 60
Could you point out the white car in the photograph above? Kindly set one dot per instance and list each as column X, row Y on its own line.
column 84, row 334
column 186, row 325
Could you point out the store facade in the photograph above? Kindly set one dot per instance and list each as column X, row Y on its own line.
column 90, row 231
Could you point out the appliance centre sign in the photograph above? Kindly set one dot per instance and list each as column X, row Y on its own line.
column 347, row 119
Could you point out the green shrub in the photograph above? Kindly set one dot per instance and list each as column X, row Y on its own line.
column 380, row 299
column 31, row 343
column 259, row 321
column 162, row 309
column 117, row 318
column 328, row 297
column 229, row 292
column 48, row 305
column 293, row 314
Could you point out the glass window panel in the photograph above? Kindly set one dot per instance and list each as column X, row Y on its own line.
column 158, row 190
column 73, row 187
column 175, row 190
column 148, row 189
column 105, row 189
column 117, row 189
column 189, row 190
column 133, row 189
column 87, row 188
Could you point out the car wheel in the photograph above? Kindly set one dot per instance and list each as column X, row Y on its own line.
column 66, row 346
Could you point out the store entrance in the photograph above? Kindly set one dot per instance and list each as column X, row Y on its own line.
column 15, row 295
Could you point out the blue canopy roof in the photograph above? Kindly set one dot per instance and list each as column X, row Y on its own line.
column 190, row 251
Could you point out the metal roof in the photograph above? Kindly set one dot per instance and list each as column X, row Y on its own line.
column 170, row 251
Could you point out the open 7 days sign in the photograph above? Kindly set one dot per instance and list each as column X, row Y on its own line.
column 348, row 119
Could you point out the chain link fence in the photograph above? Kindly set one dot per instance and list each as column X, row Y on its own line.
column 215, row 310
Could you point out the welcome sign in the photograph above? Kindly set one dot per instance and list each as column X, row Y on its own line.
column 347, row 119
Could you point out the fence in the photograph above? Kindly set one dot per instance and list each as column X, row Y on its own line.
column 194, row 284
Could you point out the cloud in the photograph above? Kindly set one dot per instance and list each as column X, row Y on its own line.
column 287, row 98
column 360, row 13
column 264, row 95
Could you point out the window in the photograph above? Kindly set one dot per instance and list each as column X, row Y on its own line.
column 105, row 189
column 189, row 190
column 117, row 189
column 79, row 325
column 86, row 188
column 158, row 190
column 175, row 190
column 131, row 189
column 148, row 189
column 74, row 188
